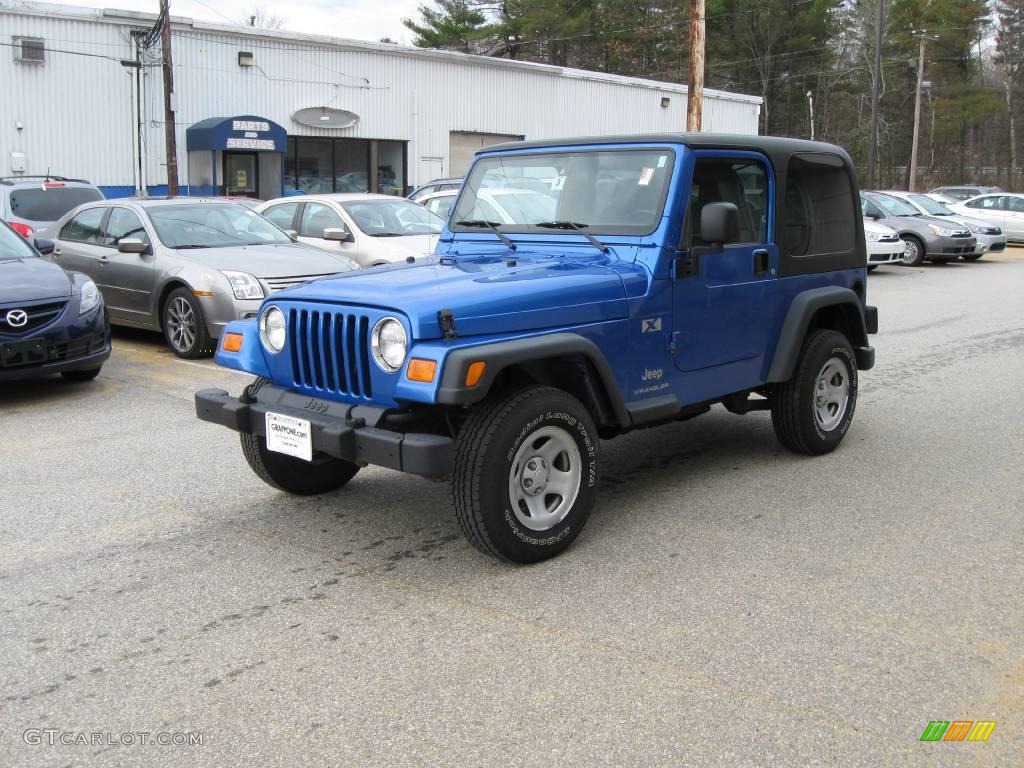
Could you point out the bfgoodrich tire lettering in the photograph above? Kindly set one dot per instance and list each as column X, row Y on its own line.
column 503, row 435
column 812, row 411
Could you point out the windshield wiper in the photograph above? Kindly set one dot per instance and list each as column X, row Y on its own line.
column 488, row 225
column 575, row 227
column 192, row 245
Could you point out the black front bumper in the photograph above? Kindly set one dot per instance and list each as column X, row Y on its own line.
column 338, row 430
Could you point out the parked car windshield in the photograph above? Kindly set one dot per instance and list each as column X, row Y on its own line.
column 931, row 207
column 895, row 206
column 393, row 218
column 49, row 203
column 13, row 245
column 212, row 225
column 613, row 191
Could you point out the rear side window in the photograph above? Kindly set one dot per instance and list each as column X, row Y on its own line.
column 85, row 227
column 281, row 215
column 820, row 215
column 50, row 203
column 1015, row 204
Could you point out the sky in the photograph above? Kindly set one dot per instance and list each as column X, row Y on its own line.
column 354, row 19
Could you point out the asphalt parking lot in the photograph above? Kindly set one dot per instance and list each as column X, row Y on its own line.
column 728, row 604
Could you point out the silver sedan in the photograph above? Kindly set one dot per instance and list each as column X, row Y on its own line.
column 182, row 266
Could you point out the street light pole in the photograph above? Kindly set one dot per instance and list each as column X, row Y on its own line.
column 810, row 106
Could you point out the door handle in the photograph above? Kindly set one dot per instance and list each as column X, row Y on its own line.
column 103, row 260
column 760, row 261
column 56, row 252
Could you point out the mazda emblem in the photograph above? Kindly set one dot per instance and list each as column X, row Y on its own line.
column 17, row 318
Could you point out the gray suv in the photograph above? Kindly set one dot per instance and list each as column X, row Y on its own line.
column 927, row 238
column 32, row 203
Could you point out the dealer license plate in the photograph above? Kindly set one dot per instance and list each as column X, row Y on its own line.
column 286, row 434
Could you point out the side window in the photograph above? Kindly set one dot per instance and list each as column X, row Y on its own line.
column 316, row 218
column 994, row 203
column 441, row 206
column 281, row 215
column 122, row 224
column 870, row 209
column 85, row 227
column 1015, row 204
column 743, row 183
column 820, row 215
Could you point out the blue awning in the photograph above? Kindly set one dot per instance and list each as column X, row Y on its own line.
column 245, row 132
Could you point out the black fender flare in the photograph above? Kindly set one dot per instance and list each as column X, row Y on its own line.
column 500, row 355
column 798, row 319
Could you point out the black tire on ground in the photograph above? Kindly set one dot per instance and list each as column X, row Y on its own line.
column 292, row 475
column 187, row 344
column 872, row 267
column 81, row 376
column 941, row 262
column 287, row 473
column 511, row 446
column 972, row 257
column 826, row 365
column 915, row 251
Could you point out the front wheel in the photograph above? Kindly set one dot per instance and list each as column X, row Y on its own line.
column 811, row 412
column 972, row 257
column 914, row 255
column 184, row 325
column 526, row 474
column 292, row 475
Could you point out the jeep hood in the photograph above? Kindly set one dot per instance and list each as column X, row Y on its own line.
column 486, row 294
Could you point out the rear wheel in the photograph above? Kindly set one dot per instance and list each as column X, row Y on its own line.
column 184, row 325
column 526, row 474
column 914, row 254
column 812, row 411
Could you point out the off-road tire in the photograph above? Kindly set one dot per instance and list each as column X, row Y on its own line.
column 915, row 246
column 793, row 402
column 202, row 344
column 486, row 450
column 287, row 473
column 81, row 376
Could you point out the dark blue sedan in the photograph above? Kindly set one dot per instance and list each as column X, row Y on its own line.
column 51, row 321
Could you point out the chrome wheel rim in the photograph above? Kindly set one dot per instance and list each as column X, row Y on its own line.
column 831, row 394
column 544, row 479
column 910, row 254
column 181, row 324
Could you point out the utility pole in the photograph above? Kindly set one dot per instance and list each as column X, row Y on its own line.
column 695, row 89
column 876, row 81
column 810, row 106
column 168, row 69
column 917, row 110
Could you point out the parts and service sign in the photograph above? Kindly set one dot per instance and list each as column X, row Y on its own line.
column 286, row 434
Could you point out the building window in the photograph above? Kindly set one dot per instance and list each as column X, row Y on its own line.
column 314, row 162
column 351, row 164
column 31, row 50
column 317, row 166
column 391, row 167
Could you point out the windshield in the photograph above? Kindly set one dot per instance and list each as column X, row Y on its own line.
column 13, row 245
column 393, row 218
column 931, row 207
column 620, row 191
column 895, row 206
column 212, row 225
column 49, row 203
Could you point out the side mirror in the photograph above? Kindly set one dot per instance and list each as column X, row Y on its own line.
column 337, row 234
column 45, row 247
column 720, row 223
column 872, row 216
column 131, row 245
column 292, row 234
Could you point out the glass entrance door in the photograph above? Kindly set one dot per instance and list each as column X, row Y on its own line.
column 240, row 169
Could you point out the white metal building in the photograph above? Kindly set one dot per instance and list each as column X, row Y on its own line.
column 263, row 113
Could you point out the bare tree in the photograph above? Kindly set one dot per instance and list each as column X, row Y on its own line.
column 262, row 19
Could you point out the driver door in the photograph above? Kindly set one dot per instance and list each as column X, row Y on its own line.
column 314, row 218
column 131, row 277
column 720, row 297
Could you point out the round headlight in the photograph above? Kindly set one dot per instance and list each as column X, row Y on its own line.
column 389, row 344
column 272, row 329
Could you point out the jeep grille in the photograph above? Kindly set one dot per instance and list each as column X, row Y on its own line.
column 330, row 351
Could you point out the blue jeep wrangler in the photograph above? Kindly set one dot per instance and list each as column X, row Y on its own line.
column 581, row 289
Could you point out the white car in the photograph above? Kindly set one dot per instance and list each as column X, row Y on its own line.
column 503, row 205
column 883, row 244
column 990, row 238
column 1000, row 209
column 370, row 229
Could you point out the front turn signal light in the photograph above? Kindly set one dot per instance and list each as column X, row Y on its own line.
column 232, row 342
column 421, row 370
column 475, row 373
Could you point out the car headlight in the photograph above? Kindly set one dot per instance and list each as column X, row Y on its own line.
column 244, row 285
column 273, row 329
column 973, row 227
column 389, row 344
column 941, row 231
column 90, row 297
column 873, row 236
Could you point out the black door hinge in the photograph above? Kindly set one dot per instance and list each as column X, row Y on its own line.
column 686, row 266
column 446, row 319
